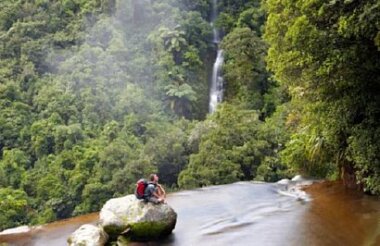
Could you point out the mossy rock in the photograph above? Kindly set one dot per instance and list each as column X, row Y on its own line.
column 123, row 241
column 137, row 219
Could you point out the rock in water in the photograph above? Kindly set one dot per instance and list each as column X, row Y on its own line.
column 137, row 219
column 283, row 182
column 88, row 235
column 298, row 178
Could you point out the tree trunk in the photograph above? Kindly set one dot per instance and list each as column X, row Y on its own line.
column 348, row 176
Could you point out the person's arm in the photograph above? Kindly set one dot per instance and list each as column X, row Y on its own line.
column 155, row 194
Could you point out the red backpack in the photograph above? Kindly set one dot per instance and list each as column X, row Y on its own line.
column 140, row 188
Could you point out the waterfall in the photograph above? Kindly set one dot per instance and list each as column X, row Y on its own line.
column 216, row 89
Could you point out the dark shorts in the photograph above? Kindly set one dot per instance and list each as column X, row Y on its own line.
column 152, row 199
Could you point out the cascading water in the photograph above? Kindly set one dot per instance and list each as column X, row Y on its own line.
column 216, row 89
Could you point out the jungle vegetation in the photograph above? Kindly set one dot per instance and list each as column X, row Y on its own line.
column 95, row 94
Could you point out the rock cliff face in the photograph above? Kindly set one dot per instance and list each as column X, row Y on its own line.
column 137, row 219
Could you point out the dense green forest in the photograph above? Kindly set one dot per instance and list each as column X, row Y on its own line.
column 95, row 94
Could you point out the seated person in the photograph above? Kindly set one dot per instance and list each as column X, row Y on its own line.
column 154, row 192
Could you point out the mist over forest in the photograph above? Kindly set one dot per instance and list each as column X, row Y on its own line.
column 95, row 94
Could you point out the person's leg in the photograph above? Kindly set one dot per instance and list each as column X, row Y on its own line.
column 161, row 192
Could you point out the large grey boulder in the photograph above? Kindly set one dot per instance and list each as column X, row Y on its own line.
column 137, row 219
column 88, row 235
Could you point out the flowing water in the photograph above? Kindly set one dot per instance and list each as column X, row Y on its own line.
column 217, row 82
column 250, row 214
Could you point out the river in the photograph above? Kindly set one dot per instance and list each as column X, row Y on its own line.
column 250, row 214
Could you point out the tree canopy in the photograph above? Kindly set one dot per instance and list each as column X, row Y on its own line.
column 97, row 94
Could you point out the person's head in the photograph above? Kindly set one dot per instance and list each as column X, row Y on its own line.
column 153, row 178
